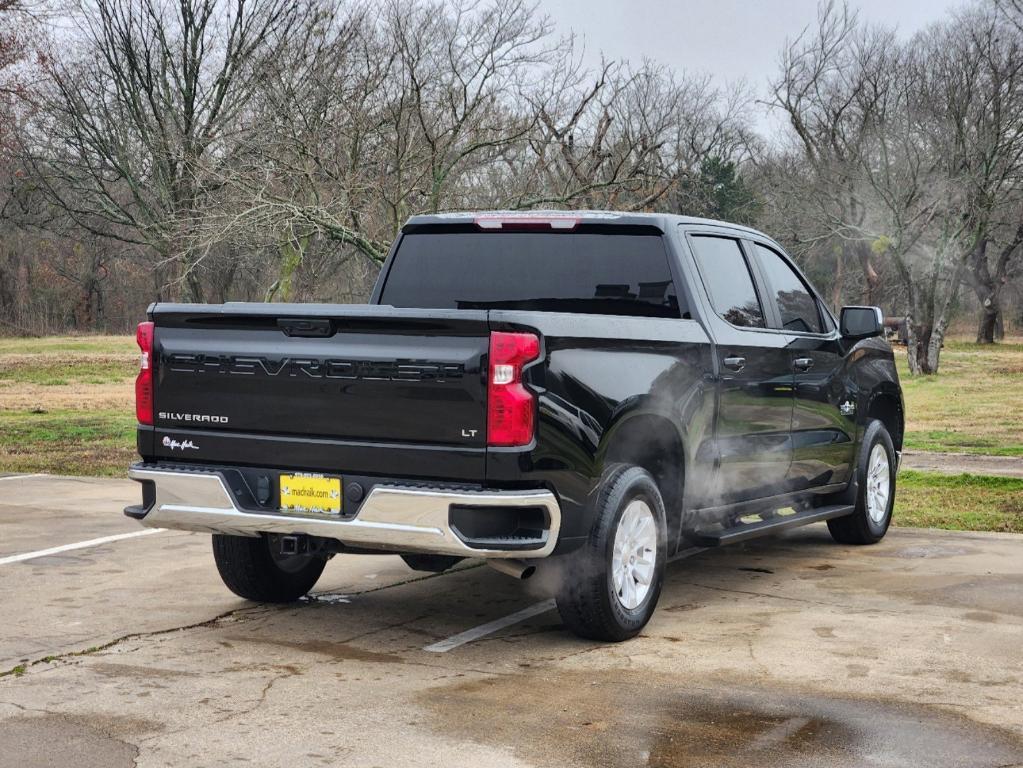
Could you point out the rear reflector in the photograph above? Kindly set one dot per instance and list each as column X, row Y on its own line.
column 510, row 406
column 144, row 381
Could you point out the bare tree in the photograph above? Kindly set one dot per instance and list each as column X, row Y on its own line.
column 145, row 104
column 371, row 113
column 978, row 61
column 913, row 154
column 218, row 149
column 832, row 78
column 1012, row 10
column 628, row 137
column 990, row 277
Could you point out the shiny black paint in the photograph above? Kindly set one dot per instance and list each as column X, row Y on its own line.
column 823, row 438
column 763, row 432
column 754, row 414
column 411, row 378
column 598, row 376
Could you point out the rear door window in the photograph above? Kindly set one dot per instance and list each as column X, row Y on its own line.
column 728, row 280
column 796, row 305
column 596, row 272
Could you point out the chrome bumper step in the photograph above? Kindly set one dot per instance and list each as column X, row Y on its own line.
column 404, row 519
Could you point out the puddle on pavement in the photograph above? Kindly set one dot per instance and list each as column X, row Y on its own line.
column 978, row 594
column 981, row 616
column 607, row 719
column 330, row 648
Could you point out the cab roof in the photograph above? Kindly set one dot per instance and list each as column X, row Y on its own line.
column 661, row 221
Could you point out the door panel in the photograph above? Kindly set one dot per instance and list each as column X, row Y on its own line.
column 822, row 436
column 754, row 417
column 754, row 374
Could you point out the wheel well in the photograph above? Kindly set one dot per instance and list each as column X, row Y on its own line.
column 887, row 409
column 651, row 442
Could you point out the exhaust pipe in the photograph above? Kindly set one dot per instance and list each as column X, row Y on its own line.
column 517, row 569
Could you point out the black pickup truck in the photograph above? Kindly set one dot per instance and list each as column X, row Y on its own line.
column 591, row 392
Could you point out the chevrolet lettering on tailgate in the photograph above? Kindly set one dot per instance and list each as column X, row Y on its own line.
column 396, row 370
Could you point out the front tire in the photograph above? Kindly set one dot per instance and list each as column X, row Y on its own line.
column 250, row 569
column 610, row 586
column 873, row 491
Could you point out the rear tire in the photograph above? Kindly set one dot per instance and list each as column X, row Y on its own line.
column 872, row 492
column 251, row 570
column 610, row 586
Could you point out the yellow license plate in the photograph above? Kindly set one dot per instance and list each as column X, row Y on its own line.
column 311, row 493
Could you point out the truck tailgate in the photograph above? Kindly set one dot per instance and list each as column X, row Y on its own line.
column 313, row 385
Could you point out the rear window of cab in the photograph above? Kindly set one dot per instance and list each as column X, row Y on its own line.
column 590, row 271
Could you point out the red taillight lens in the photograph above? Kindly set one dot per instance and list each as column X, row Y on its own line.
column 510, row 406
column 144, row 381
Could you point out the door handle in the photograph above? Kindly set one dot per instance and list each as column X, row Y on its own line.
column 305, row 327
column 735, row 363
column 803, row 363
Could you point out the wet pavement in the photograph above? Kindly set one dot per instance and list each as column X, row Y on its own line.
column 787, row 652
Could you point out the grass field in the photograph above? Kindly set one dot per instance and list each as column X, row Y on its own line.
column 973, row 405
column 959, row 502
column 66, row 407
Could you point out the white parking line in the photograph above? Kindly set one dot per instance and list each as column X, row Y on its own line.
column 489, row 628
column 22, row 477
column 76, row 545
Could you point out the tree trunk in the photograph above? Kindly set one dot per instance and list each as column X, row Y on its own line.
column 196, row 292
column 163, row 272
column 871, row 279
column 987, row 327
column 988, row 284
column 292, row 250
column 986, row 289
column 194, row 289
column 836, row 287
column 918, row 344
column 933, row 352
column 917, row 333
column 942, row 316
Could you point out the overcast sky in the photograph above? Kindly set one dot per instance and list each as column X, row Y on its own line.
column 731, row 39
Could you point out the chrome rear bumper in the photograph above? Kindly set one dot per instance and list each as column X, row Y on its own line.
column 391, row 517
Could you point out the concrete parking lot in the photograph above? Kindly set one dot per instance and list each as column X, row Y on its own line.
column 792, row 651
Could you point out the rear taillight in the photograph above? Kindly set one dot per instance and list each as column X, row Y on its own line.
column 144, row 381
column 510, row 406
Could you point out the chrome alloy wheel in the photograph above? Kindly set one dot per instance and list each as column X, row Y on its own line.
column 635, row 554
column 879, row 484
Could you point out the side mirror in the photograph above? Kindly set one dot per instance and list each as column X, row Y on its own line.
column 857, row 323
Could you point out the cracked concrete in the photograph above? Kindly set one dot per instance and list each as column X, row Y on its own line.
column 786, row 652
